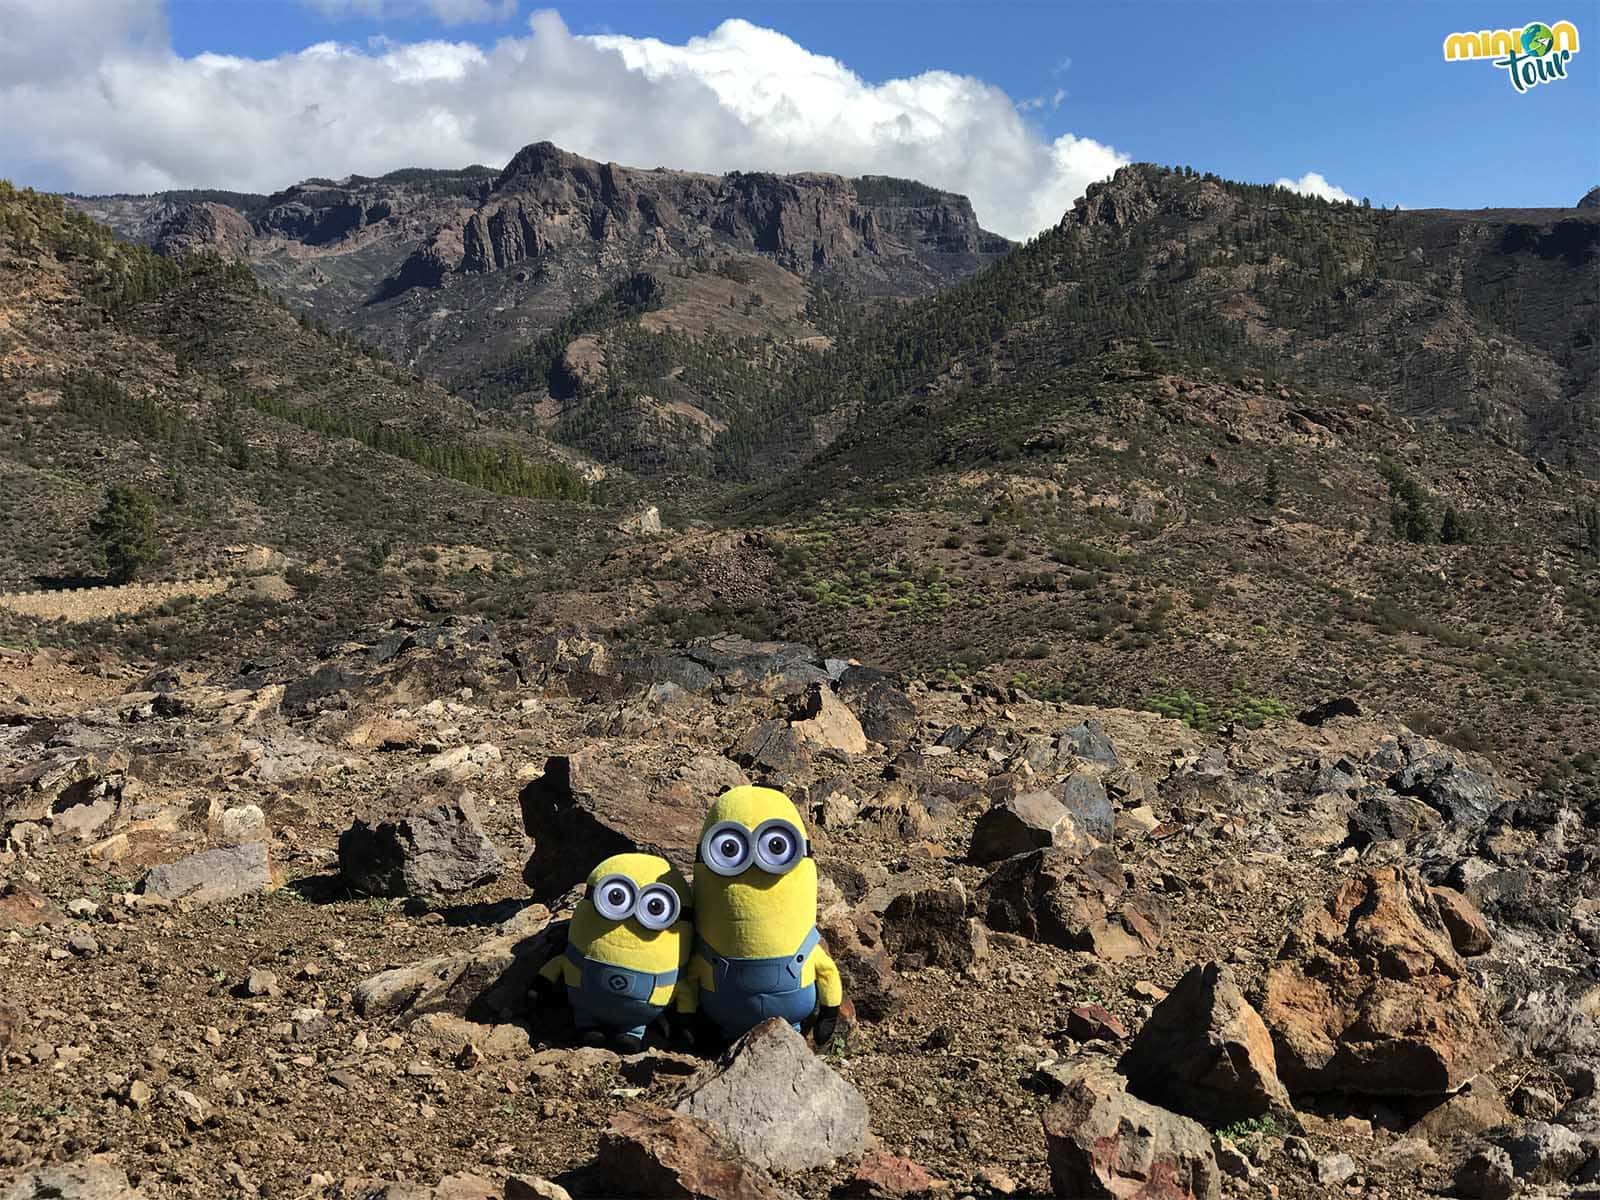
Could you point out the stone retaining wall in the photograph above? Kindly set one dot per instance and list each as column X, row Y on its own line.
column 99, row 603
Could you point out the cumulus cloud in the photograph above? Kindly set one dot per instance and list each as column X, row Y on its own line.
column 93, row 98
column 447, row 12
column 1314, row 184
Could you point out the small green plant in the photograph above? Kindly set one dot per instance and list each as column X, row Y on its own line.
column 1268, row 1125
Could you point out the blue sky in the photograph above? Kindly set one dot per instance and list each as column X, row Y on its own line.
column 1358, row 94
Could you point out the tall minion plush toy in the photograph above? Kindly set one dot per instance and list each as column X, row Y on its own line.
column 627, row 947
column 757, row 950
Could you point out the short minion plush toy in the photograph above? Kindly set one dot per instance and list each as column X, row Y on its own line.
column 757, row 950
column 627, row 947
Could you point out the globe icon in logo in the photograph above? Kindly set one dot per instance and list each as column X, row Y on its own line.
column 1537, row 39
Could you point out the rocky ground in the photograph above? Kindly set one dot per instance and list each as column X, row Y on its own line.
column 269, row 933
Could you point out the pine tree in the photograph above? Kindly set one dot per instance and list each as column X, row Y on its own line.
column 125, row 527
column 1452, row 531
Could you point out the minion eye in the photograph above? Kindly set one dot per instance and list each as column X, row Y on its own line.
column 779, row 846
column 615, row 897
column 659, row 907
column 725, row 849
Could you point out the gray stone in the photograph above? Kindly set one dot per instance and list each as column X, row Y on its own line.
column 88, row 1180
column 1461, row 794
column 1089, row 742
column 778, row 1104
column 1543, row 1153
column 214, row 876
column 432, row 847
column 1085, row 798
column 1333, row 1170
column 1486, row 1175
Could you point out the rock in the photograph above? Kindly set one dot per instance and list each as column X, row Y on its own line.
column 430, row 847
column 930, row 927
column 651, row 1152
column 1092, row 1023
column 884, row 1176
column 1031, row 821
column 23, row 908
column 261, row 982
column 488, row 983
column 1333, row 1170
column 1469, row 932
column 773, row 746
column 1407, row 1155
column 215, row 876
column 1369, row 996
column 1104, row 1144
column 647, row 520
column 1321, row 714
column 1052, row 896
column 821, row 721
column 90, row 1180
column 777, row 1103
column 1461, row 794
column 886, row 713
column 856, row 944
column 588, row 806
column 1542, row 1153
column 527, row 1187
column 1470, row 1111
column 1486, row 1175
column 1084, row 797
column 195, row 1111
column 1205, row 1052
column 246, row 823
column 1381, row 816
column 1089, row 742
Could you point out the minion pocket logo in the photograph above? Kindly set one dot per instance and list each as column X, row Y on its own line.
column 1535, row 54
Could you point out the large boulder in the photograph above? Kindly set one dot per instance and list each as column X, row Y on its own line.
column 1369, row 996
column 1090, row 742
column 855, row 940
column 1104, row 1144
column 1084, row 797
column 432, row 846
column 1463, row 796
column 1206, row 1053
column 822, row 722
column 777, row 1103
column 215, row 876
column 1030, row 821
column 648, row 1151
column 590, row 805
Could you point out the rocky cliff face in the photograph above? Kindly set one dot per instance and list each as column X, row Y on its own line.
column 548, row 200
column 205, row 226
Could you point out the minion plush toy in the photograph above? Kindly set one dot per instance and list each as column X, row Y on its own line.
column 757, row 950
column 627, row 947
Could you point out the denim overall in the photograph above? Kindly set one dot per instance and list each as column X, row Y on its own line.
column 616, row 999
column 747, row 991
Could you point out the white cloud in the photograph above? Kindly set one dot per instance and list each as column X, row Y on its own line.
column 1313, row 184
column 447, row 12
column 93, row 98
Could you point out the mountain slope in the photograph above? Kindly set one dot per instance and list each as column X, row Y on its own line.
column 188, row 381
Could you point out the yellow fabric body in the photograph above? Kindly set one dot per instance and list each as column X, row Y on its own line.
column 628, row 943
column 757, row 915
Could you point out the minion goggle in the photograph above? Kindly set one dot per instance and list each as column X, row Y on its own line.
column 775, row 846
column 616, row 898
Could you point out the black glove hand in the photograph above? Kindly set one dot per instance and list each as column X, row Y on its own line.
column 827, row 1024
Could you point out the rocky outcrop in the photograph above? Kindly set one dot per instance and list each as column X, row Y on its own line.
column 216, row 228
column 92, row 1179
column 1370, row 997
column 1206, row 1053
column 1104, row 1144
column 1075, row 902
